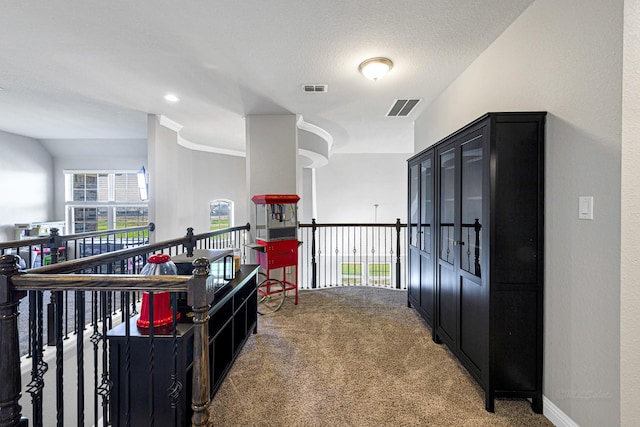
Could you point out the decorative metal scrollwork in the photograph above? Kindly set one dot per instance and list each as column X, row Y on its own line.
column 36, row 384
column 95, row 338
column 43, row 367
column 175, row 390
column 104, row 389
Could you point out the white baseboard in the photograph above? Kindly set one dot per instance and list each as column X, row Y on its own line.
column 555, row 414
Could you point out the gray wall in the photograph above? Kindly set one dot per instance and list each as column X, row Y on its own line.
column 26, row 173
column 564, row 57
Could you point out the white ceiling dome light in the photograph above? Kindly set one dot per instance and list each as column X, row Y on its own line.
column 375, row 68
column 170, row 97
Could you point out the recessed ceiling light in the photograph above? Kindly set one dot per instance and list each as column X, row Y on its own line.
column 171, row 98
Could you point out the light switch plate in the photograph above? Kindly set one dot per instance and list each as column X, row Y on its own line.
column 585, row 207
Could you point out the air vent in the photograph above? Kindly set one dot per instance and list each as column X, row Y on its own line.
column 402, row 107
column 315, row 88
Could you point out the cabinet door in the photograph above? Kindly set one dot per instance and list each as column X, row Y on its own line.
column 473, row 301
column 426, row 238
column 447, row 310
column 414, row 215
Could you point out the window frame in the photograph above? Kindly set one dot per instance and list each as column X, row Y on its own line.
column 111, row 205
column 230, row 205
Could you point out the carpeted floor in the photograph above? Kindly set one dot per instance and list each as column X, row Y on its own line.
column 354, row 356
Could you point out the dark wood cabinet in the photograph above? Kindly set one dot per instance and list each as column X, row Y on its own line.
column 136, row 393
column 476, row 240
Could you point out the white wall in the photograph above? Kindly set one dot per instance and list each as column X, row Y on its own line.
column 218, row 176
column 351, row 184
column 307, row 192
column 182, row 182
column 630, row 268
column 564, row 57
column 26, row 174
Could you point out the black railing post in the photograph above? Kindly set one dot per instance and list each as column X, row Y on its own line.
column 10, row 383
column 242, row 246
column 398, row 269
column 197, row 299
column 314, row 279
column 54, row 245
column 190, row 243
column 51, row 320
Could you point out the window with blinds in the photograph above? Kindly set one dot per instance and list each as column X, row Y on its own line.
column 90, row 187
column 97, row 201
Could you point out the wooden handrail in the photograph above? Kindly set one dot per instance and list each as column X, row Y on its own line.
column 99, row 282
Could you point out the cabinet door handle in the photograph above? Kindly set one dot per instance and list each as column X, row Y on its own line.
column 458, row 242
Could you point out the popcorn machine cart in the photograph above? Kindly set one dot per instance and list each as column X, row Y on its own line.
column 277, row 237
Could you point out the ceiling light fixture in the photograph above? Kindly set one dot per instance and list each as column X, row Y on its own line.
column 171, row 98
column 375, row 68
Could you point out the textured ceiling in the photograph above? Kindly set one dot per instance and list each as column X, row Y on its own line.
column 95, row 69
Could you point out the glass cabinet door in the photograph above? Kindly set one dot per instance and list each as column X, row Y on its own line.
column 426, row 208
column 427, row 283
column 471, row 214
column 414, row 206
column 446, row 264
column 447, row 206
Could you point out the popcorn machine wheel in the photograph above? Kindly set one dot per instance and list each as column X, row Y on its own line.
column 277, row 241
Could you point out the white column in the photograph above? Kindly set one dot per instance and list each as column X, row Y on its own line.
column 272, row 156
column 170, row 182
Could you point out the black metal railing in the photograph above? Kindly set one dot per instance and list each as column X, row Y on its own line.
column 352, row 254
column 45, row 250
column 98, row 301
column 89, row 296
column 54, row 248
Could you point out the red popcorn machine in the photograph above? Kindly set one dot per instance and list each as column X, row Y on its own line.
column 277, row 237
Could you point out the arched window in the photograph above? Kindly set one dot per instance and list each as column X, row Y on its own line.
column 221, row 214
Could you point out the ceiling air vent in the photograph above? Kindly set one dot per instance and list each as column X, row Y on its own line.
column 402, row 107
column 315, row 88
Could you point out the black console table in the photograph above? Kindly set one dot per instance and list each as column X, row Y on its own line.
column 232, row 319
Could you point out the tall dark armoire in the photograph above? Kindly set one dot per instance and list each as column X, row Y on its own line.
column 475, row 249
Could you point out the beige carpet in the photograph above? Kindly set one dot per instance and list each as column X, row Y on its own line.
column 354, row 356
